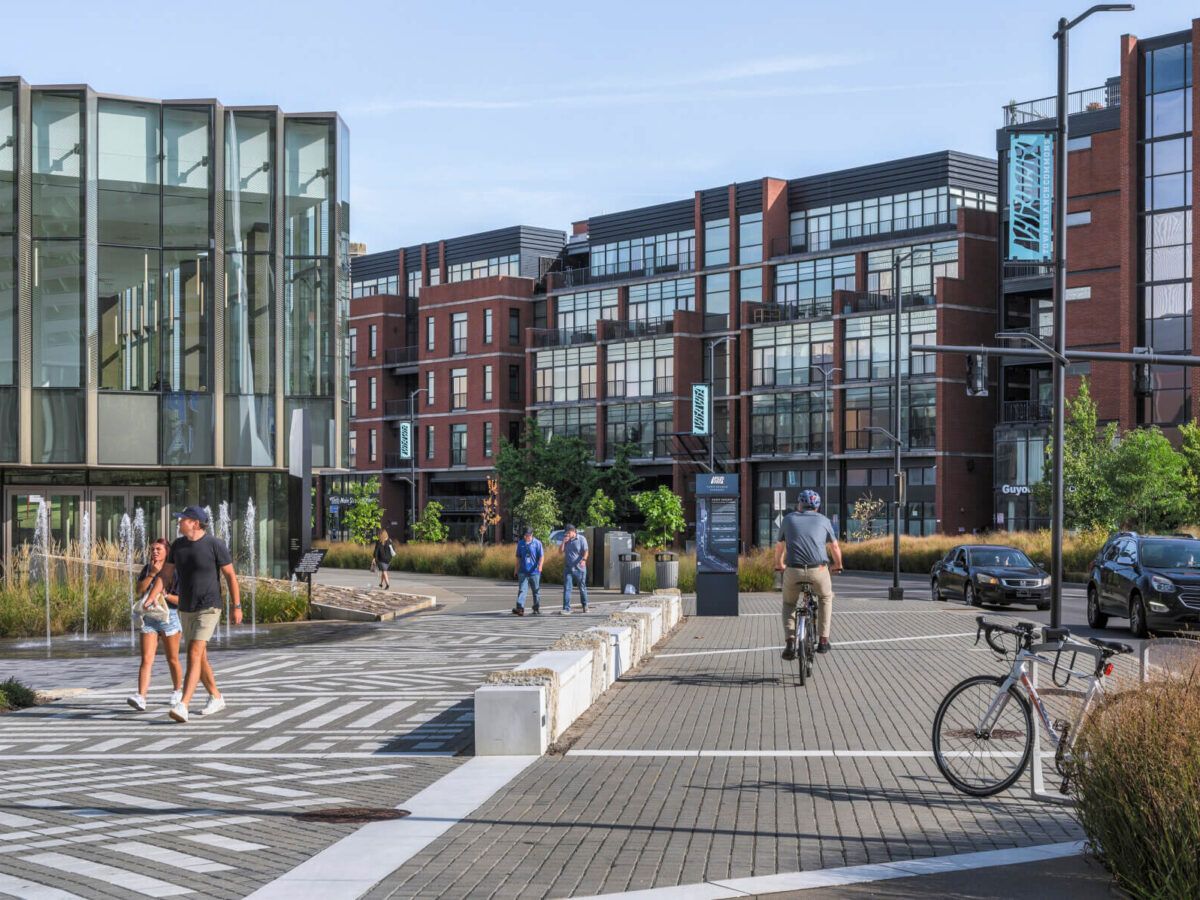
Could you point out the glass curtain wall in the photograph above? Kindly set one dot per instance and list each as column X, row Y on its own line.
column 8, row 271
column 249, row 290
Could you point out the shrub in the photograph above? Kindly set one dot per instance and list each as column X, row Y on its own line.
column 14, row 695
column 274, row 601
column 345, row 555
column 663, row 510
column 1137, row 783
column 539, row 510
column 429, row 527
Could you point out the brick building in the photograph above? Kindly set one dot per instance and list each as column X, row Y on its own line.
column 1129, row 261
column 601, row 336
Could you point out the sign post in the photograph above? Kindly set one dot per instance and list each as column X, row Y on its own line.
column 717, row 542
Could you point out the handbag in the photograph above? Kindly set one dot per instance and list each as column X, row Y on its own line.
column 153, row 607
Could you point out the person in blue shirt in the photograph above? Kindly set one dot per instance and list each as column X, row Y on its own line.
column 575, row 554
column 529, row 572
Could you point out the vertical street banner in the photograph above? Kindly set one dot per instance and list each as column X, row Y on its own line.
column 406, row 440
column 701, row 409
column 1031, row 197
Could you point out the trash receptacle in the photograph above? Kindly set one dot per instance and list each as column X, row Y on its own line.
column 666, row 569
column 615, row 543
column 631, row 573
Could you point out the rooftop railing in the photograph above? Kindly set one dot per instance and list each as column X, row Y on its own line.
column 1088, row 100
column 662, row 265
column 639, row 328
column 561, row 337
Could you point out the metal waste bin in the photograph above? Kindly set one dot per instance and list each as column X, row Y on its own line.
column 631, row 572
column 666, row 569
column 615, row 543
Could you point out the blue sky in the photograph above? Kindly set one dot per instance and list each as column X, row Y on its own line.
column 471, row 116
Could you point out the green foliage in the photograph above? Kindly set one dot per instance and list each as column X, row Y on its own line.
column 14, row 695
column 1149, row 484
column 865, row 511
column 566, row 465
column 663, row 511
column 539, row 510
column 1087, row 452
column 620, row 483
column 364, row 516
column 1189, row 449
column 429, row 528
column 600, row 510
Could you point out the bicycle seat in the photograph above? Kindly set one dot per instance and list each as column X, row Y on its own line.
column 1112, row 646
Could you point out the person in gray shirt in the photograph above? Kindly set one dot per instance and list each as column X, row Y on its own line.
column 800, row 554
column 575, row 554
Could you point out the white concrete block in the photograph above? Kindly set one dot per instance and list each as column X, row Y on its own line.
column 511, row 720
column 654, row 623
column 574, row 669
column 620, row 650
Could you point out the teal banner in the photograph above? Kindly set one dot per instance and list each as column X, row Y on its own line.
column 1031, row 197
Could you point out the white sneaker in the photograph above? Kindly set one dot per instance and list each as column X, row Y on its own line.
column 137, row 701
column 214, row 705
column 176, row 696
column 179, row 712
column 566, row 612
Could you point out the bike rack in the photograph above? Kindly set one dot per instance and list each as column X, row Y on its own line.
column 1037, row 787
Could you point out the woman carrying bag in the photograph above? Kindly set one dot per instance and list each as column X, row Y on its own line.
column 160, row 618
column 381, row 557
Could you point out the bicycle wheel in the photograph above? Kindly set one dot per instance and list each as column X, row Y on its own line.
column 977, row 763
column 801, row 643
column 810, row 643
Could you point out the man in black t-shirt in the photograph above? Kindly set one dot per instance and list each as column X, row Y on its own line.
column 199, row 559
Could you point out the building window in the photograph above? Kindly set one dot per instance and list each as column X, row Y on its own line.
column 808, row 286
column 483, row 268
column 430, row 342
column 429, row 442
column 569, row 421
column 370, row 445
column 750, row 238
column 372, row 385
column 429, row 384
column 514, row 432
column 866, row 408
column 784, row 356
column 647, row 426
column 920, row 416
column 487, row 438
column 373, row 341
column 640, row 368
column 659, row 299
column 487, row 326
column 353, row 448
column 458, row 445
column 579, row 312
column 514, row 326
column 716, row 301
column 514, row 384
column 414, row 284
column 1083, row 217
column 566, row 375
column 670, row 252
column 750, row 285
column 487, row 384
column 353, row 397
column 353, row 347
column 1079, row 143
column 716, row 242
column 458, row 388
column 787, row 423
column 458, row 334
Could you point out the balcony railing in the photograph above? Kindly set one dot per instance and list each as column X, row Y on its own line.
column 1027, row 411
column 640, row 328
column 459, row 503
column 400, row 356
column 773, row 445
column 1089, row 100
column 664, row 384
column 1028, row 270
column 664, row 265
column 397, row 409
column 868, row 301
column 561, row 337
column 784, row 312
column 394, row 461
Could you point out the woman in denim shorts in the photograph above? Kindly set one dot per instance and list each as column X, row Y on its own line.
column 170, row 631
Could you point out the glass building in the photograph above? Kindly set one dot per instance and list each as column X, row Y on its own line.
column 173, row 285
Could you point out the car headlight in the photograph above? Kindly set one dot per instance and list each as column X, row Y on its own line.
column 1162, row 585
column 987, row 579
column 1045, row 582
column 1155, row 606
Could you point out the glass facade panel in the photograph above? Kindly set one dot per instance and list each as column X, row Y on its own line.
column 58, row 432
column 187, row 421
column 307, row 184
column 308, row 339
column 187, row 321
column 128, row 316
column 187, row 176
column 127, row 196
column 8, row 157
column 57, row 165
column 58, row 314
column 249, row 337
column 249, row 431
column 8, row 310
column 249, row 140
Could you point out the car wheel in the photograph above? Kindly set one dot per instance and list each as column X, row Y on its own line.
column 1137, row 617
column 1043, row 606
column 935, row 591
column 969, row 595
column 1095, row 618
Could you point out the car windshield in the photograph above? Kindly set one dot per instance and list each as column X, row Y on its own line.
column 1180, row 554
column 1009, row 557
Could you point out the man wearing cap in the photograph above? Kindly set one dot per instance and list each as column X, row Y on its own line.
column 200, row 560
column 529, row 571
column 575, row 554
column 806, row 541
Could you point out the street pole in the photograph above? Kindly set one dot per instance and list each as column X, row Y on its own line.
column 412, row 460
column 826, row 374
column 712, row 399
column 897, row 592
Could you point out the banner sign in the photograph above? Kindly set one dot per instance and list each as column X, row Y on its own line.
column 701, row 409
column 406, row 440
column 1031, row 197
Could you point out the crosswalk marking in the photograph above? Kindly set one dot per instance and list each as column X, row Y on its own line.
column 133, row 881
column 215, row 745
column 270, row 743
column 228, row 767
column 10, row 820
column 325, row 718
column 169, row 857
column 221, row 842
column 111, row 744
column 214, row 797
column 31, row 890
column 159, row 746
column 291, row 713
column 380, row 714
column 278, row 791
column 131, row 800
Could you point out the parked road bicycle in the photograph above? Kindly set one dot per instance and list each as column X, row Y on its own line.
column 983, row 730
column 806, row 634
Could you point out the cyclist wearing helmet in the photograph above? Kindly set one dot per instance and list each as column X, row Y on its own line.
column 800, row 553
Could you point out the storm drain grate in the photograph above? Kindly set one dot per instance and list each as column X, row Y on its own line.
column 347, row 814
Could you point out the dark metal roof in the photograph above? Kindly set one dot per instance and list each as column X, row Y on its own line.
column 946, row 167
column 375, row 265
column 678, row 215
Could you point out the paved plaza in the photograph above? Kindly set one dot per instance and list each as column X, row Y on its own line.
column 707, row 769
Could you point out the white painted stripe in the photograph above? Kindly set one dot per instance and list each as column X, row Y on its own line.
column 799, row 881
column 15, row 757
column 131, row 800
column 379, row 715
column 111, row 745
column 168, row 857
column 270, row 743
column 291, row 713
column 236, row 770
column 31, row 890
column 837, row 645
column 349, row 868
column 328, row 717
column 214, row 745
column 215, row 797
column 159, row 746
column 133, row 881
column 221, row 842
column 249, row 713
column 8, row 820
column 799, row 754
column 279, row 791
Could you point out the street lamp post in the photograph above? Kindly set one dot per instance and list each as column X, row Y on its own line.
column 412, row 459
column 826, row 374
column 1060, row 306
column 712, row 378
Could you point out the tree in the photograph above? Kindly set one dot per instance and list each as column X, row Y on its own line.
column 539, row 510
column 1189, row 449
column 1150, row 480
column 663, row 511
column 621, row 483
column 600, row 510
column 364, row 516
column 1088, row 500
column 491, row 509
column 865, row 511
column 566, row 465
column 429, row 528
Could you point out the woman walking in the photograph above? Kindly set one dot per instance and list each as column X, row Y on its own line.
column 170, row 630
column 382, row 556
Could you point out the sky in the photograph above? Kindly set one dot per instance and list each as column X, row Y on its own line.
column 468, row 116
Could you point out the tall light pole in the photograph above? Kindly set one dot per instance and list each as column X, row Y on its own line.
column 1060, row 305
column 826, row 374
column 712, row 378
column 412, row 460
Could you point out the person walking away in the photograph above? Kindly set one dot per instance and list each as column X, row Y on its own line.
column 384, row 551
column 201, row 560
column 530, row 558
column 152, row 629
column 800, row 553
column 575, row 554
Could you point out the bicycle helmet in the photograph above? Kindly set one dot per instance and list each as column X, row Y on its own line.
column 809, row 500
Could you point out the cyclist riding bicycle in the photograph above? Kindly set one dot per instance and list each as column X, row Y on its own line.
column 800, row 553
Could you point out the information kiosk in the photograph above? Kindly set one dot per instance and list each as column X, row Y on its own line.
column 717, row 503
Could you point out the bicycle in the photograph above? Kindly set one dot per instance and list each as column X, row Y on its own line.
column 806, row 634
column 983, row 729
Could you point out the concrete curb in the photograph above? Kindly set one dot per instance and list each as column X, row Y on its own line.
column 413, row 603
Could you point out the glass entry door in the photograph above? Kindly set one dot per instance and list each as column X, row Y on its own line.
column 64, row 508
column 110, row 504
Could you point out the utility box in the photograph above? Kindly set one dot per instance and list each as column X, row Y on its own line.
column 615, row 543
column 597, row 565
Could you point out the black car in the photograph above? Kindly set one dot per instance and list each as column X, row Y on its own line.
column 985, row 573
column 1154, row 580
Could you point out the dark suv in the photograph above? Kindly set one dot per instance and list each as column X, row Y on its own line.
column 1154, row 580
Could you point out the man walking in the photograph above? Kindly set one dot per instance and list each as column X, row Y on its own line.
column 575, row 554
column 200, row 560
column 530, row 558
column 800, row 553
